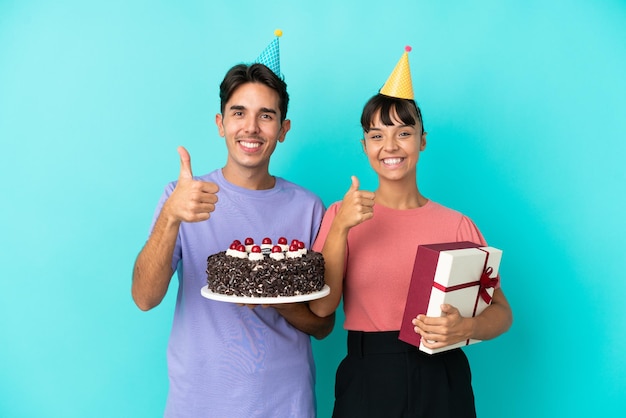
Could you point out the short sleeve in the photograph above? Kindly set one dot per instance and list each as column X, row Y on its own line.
column 327, row 220
column 468, row 231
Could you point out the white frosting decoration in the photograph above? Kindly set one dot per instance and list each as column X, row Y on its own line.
column 255, row 256
column 266, row 250
column 238, row 254
column 277, row 256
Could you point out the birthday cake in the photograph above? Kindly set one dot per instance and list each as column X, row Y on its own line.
column 265, row 270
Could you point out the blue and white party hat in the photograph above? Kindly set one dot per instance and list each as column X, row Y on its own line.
column 270, row 56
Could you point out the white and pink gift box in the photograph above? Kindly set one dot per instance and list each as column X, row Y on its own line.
column 462, row 274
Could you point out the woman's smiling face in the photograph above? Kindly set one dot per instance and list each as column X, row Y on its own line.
column 393, row 150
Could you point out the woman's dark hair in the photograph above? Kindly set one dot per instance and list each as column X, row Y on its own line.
column 254, row 73
column 407, row 110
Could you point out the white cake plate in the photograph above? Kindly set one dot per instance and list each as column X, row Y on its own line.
column 264, row 300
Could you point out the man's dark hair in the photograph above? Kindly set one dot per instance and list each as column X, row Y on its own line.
column 408, row 111
column 254, row 73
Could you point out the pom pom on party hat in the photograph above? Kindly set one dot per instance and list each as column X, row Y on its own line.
column 270, row 57
column 399, row 82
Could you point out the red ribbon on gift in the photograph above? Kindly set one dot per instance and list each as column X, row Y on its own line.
column 486, row 282
column 457, row 287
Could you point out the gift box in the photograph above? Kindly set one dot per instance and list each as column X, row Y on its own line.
column 462, row 274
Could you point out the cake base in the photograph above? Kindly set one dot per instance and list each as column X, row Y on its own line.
column 264, row 301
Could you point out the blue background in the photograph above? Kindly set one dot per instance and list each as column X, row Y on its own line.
column 524, row 103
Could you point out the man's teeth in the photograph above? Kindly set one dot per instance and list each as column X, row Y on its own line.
column 392, row 161
column 250, row 144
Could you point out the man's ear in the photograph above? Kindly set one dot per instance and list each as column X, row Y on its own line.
column 284, row 128
column 220, row 125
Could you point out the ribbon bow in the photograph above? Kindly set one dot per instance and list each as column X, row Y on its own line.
column 487, row 282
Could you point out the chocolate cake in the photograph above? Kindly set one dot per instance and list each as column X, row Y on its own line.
column 265, row 270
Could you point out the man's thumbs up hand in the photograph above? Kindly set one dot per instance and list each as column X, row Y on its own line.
column 192, row 200
column 185, row 164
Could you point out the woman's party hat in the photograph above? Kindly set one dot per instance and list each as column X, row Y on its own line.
column 399, row 82
column 270, row 57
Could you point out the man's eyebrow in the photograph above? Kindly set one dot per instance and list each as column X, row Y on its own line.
column 262, row 110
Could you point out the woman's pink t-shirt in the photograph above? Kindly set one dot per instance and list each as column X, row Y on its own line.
column 380, row 258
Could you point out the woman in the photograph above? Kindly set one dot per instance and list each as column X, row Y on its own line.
column 369, row 241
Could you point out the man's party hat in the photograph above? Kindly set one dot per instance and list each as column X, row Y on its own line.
column 270, row 56
column 399, row 82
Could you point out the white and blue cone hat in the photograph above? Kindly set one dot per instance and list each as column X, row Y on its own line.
column 270, row 57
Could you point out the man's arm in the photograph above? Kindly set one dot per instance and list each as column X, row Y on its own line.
column 152, row 272
column 191, row 201
column 300, row 316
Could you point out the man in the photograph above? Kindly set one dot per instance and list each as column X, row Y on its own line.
column 227, row 360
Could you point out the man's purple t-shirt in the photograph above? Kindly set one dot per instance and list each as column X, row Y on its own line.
column 226, row 360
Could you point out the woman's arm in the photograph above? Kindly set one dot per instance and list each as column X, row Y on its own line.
column 451, row 327
column 300, row 316
column 357, row 207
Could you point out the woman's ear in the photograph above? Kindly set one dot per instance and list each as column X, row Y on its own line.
column 423, row 141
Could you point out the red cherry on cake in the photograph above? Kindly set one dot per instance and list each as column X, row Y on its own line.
column 234, row 246
column 294, row 242
column 282, row 241
column 249, row 241
column 235, row 242
column 267, row 240
column 300, row 245
column 293, row 247
column 277, row 249
column 256, row 249
column 241, row 248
